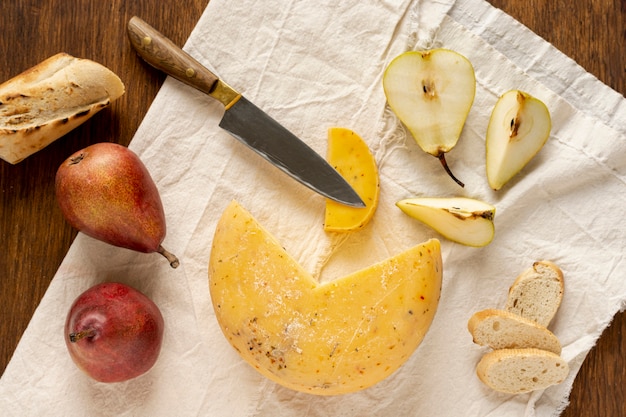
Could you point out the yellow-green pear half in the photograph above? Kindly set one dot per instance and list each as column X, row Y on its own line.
column 518, row 128
column 431, row 92
column 463, row 220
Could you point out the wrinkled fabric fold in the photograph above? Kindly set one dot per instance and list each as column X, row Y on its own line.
column 311, row 66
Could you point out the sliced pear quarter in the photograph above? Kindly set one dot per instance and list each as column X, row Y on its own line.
column 332, row 338
column 518, row 128
column 431, row 92
column 462, row 220
column 352, row 158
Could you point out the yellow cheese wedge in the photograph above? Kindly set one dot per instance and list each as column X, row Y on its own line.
column 351, row 157
column 332, row 338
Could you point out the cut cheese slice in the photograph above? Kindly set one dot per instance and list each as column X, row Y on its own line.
column 332, row 338
column 351, row 157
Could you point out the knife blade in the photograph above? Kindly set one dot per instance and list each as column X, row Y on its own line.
column 242, row 119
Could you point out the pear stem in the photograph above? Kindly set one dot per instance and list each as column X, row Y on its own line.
column 442, row 159
column 75, row 160
column 75, row 337
column 173, row 260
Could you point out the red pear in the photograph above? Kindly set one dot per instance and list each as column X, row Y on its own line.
column 114, row 332
column 106, row 192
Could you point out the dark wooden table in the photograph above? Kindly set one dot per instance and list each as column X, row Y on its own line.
column 34, row 237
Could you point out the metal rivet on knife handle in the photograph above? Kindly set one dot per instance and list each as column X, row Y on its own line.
column 161, row 53
column 164, row 55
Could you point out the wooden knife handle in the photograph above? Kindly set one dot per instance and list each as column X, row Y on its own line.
column 163, row 54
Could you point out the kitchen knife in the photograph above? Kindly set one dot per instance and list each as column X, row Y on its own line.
column 242, row 119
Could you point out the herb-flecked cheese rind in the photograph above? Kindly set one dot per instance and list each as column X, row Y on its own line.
column 332, row 338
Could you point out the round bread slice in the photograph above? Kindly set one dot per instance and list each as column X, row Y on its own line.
column 48, row 100
column 500, row 329
column 537, row 292
column 515, row 371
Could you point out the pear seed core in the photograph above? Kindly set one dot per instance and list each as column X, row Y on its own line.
column 515, row 122
column 428, row 86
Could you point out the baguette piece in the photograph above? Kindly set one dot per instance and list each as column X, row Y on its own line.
column 516, row 371
column 501, row 329
column 537, row 292
column 48, row 100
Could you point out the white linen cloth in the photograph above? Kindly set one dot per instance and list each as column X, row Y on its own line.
column 313, row 65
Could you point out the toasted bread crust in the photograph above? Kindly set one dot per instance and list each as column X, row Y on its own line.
column 48, row 100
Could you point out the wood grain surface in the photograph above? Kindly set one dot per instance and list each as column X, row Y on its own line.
column 34, row 237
